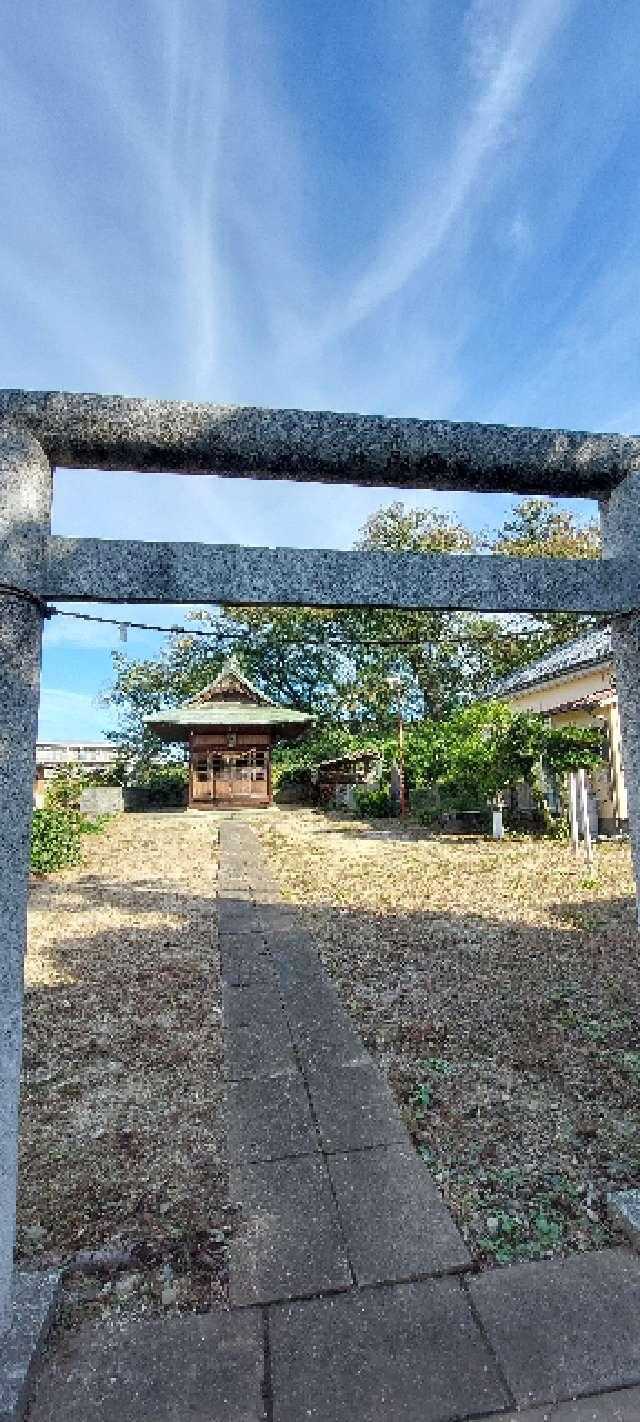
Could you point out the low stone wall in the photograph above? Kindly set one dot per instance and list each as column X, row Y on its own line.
column 102, row 800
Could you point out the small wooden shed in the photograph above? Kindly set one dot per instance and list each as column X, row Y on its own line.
column 231, row 729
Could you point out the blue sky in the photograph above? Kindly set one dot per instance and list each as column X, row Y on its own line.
column 420, row 207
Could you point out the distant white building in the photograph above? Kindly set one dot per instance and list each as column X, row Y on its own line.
column 52, row 756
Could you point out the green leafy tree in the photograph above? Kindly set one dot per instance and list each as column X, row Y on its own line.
column 535, row 528
column 426, row 649
column 485, row 748
column 337, row 663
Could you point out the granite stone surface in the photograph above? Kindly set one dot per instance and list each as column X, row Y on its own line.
column 409, row 1353
column 564, row 1328
column 33, row 1303
column 116, row 432
column 25, row 511
column 134, row 571
column 623, row 1207
column 620, row 540
column 290, row 1244
column 395, row 1222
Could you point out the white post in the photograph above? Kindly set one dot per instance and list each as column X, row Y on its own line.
column 573, row 811
column 620, row 520
column 25, row 504
column 584, row 807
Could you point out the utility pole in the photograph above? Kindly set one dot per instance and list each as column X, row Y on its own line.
column 396, row 683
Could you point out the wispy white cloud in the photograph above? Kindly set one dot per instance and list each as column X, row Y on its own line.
column 504, row 59
column 596, row 333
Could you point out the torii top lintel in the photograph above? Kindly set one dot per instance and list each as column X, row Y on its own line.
column 117, row 432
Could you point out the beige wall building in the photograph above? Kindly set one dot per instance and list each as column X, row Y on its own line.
column 52, row 756
column 576, row 684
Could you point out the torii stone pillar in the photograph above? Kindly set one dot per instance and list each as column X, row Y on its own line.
column 25, row 505
column 620, row 521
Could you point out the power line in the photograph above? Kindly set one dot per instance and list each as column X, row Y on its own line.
column 329, row 641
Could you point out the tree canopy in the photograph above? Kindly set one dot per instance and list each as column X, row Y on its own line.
column 336, row 663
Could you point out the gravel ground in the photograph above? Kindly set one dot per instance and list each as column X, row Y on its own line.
column 121, row 1145
column 498, row 986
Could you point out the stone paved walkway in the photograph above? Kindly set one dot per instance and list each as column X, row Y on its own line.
column 351, row 1291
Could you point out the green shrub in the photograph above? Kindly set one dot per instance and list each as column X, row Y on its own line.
column 373, row 804
column 63, row 790
column 55, row 840
column 164, row 784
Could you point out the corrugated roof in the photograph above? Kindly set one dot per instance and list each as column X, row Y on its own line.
column 349, row 758
column 587, row 651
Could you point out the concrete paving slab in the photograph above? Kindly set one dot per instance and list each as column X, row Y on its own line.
column 565, row 1327
column 354, row 1107
column 261, row 1050
column 242, row 970
column 236, row 916
column 395, row 1222
column 34, row 1299
column 328, row 1042
column 409, row 1353
column 269, row 1119
column 247, row 1003
column 278, row 917
column 311, row 1001
column 621, row 1406
column 207, row 1367
column 290, row 1244
column 298, row 968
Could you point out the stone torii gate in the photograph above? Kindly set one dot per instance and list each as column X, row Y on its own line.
column 41, row 430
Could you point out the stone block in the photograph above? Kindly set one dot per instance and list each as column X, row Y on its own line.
column 395, row 1222
column 269, row 1119
column 354, row 1107
column 623, row 1208
column 102, row 800
column 564, row 1328
column 290, row 1244
column 408, row 1353
column 201, row 1366
column 33, row 1304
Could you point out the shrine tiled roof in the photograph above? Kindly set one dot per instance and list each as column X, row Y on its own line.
column 230, row 700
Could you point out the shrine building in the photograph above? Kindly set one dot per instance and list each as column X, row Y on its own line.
column 231, row 729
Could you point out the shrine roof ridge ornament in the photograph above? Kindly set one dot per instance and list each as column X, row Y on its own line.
column 120, row 432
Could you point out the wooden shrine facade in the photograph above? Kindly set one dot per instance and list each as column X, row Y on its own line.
column 229, row 768
column 231, row 729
